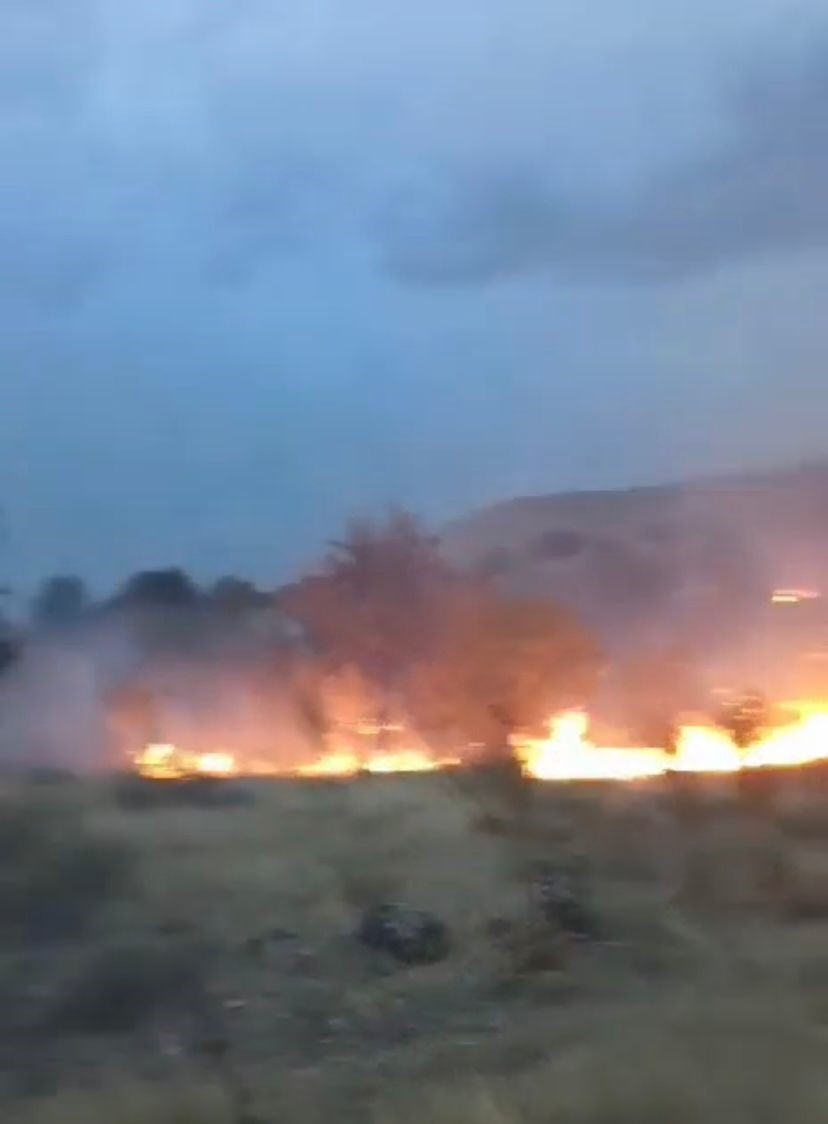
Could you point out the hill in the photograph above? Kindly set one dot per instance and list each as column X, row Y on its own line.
column 698, row 557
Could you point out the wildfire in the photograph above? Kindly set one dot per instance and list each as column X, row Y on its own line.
column 399, row 761
column 164, row 762
column 567, row 753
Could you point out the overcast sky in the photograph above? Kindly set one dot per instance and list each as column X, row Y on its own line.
column 264, row 264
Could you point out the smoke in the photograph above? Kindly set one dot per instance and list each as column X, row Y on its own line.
column 58, row 702
column 52, row 701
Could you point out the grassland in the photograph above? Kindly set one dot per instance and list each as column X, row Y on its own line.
column 218, row 978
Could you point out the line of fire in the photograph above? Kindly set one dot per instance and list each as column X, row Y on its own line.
column 739, row 729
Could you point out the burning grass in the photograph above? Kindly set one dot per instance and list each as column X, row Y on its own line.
column 705, row 998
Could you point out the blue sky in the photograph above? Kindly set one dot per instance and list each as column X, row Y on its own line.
column 264, row 265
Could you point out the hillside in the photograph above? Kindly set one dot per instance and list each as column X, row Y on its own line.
column 649, row 559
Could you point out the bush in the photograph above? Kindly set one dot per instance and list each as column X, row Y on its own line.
column 55, row 874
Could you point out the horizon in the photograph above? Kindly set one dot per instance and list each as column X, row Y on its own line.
column 19, row 597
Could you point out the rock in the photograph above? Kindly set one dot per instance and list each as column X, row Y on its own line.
column 411, row 936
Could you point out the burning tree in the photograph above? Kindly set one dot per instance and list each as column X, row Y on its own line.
column 502, row 664
column 377, row 604
column 461, row 660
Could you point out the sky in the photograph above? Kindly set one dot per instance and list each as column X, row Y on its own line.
column 265, row 265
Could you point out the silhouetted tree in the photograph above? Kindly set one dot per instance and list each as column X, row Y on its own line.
column 60, row 601
column 164, row 611
column 236, row 595
column 159, row 589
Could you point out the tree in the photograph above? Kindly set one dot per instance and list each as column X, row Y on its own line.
column 462, row 661
column 60, row 601
column 504, row 664
column 377, row 602
column 159, row 589
column 231, row 596
column 164, row 610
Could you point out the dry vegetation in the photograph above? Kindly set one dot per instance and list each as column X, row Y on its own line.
column 210, row 974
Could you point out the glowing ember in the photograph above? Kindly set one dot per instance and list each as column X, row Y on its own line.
column 794, row 596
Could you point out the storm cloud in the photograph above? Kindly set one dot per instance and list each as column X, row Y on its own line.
column 762, row 188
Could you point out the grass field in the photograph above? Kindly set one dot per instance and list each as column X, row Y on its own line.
column 210, row 973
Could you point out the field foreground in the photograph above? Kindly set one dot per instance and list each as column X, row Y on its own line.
column 197, row 964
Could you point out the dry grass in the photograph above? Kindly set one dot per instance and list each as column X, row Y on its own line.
column 708, row 1001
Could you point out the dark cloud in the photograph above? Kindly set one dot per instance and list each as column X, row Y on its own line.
column 764, row 189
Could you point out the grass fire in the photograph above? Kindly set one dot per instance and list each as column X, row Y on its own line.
column 352, row 846
column 564, row 753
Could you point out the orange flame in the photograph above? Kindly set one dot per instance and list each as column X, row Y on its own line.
column 567, row 753
column 164, row 761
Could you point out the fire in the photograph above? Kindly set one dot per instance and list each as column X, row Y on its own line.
column 216, row 764
column 567, row 753
column 164, row 762
column 399, row 761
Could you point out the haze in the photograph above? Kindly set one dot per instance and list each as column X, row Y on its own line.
column 266, row 264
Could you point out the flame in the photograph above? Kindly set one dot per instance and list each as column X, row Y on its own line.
column 165, row 761
column 567, row 753
column 216, row 764
column 396, row 761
